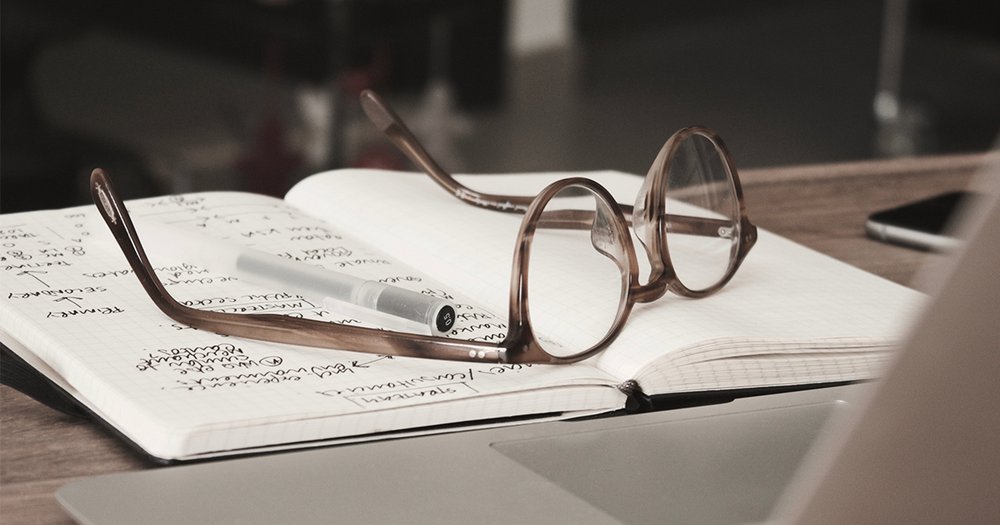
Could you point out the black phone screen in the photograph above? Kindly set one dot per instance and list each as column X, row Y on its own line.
column 929, row 215
column 921, row 224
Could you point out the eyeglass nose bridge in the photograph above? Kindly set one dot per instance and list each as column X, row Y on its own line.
column 606, row 238
column 656, row 288
column 644, row 226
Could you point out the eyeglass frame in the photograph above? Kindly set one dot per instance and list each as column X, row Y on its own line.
column 520, row 346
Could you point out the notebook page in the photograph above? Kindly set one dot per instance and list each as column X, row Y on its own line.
column 69, row 296
column 784, row 293
column 792, row 315
column 411, row 217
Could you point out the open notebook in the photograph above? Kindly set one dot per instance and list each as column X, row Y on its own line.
column 71, row 307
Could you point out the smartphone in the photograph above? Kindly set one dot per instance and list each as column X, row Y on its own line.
column 924, row 224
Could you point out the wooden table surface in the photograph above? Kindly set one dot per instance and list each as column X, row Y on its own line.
column 823, row 207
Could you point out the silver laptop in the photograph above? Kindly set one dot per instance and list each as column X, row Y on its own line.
column 914, row 445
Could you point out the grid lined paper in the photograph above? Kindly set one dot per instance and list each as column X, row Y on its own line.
column 71, row 299
column 789, row 316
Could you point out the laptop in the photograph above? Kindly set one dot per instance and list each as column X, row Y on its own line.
column 916, row 446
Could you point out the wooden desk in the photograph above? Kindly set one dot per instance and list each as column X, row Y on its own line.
column 823, row 207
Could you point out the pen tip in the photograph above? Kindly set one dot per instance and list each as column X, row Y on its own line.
column 445, row 319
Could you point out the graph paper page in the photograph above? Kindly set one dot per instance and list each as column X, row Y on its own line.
column 790, row 315
column 70, row 297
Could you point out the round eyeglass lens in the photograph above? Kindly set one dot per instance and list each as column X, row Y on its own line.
column 703, row 221
column 577, row 273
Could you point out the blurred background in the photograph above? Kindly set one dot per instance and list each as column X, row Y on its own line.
column 256, row 94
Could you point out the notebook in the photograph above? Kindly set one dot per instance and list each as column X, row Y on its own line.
column 72, row 308
column 916, row 447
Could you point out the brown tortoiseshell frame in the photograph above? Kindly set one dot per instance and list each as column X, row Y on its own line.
column 654, row 239
column 662, row 275
column 520, row 345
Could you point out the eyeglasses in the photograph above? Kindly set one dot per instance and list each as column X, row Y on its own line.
column 574, row 248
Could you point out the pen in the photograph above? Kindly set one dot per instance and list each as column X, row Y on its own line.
column 335, row 288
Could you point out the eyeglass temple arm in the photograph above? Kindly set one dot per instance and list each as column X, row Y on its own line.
column 386, row 120
column 270, row 327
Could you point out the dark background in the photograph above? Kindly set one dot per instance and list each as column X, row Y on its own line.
column 222, row 94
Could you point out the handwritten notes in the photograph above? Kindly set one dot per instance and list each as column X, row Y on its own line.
column 791, row 316
column 69, row 295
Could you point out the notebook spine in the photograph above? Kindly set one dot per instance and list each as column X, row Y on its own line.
column 21, row 376
column 637, row 400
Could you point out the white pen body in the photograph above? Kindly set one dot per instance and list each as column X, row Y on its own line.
column 262, row 268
